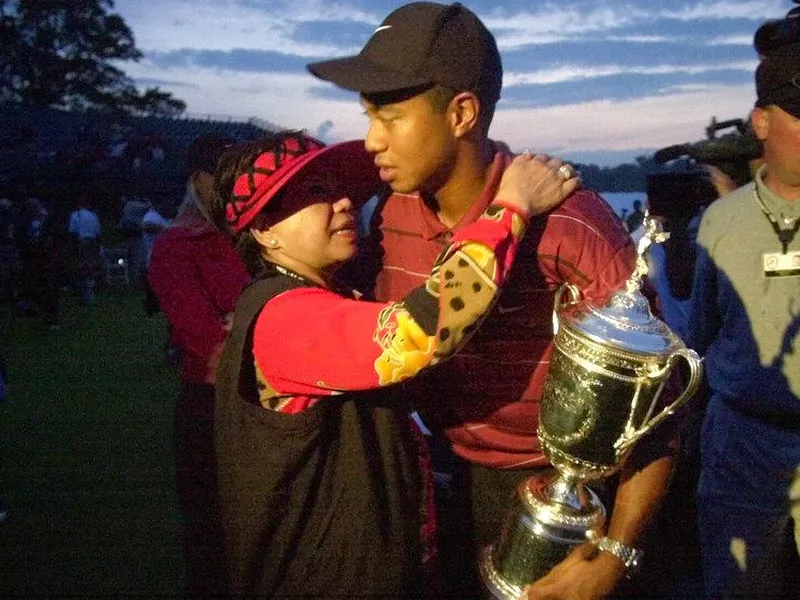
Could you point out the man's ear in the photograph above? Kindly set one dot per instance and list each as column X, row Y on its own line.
column 759, row 120
column 464, row 113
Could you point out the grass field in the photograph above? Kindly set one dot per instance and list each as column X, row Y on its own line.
column 86, row 453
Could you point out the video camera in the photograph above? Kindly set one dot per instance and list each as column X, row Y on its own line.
column 687, row 187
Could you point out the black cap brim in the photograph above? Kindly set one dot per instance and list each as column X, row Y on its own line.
column 364, row 76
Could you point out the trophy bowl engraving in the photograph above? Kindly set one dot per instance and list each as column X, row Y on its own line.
column 593, row 396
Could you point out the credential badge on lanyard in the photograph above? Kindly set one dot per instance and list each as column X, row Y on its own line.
column 780, row 264
column 777, row 264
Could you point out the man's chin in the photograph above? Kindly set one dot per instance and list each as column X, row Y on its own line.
column 400, row 187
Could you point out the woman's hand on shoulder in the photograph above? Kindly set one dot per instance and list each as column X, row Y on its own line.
column 537, row 183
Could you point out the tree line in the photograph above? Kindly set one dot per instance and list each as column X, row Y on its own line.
column 60, row 54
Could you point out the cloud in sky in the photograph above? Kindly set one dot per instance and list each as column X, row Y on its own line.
column 576, row 72
column 581, row 77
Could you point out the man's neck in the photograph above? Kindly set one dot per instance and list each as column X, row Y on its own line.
column 465, row 184
column 786, row 191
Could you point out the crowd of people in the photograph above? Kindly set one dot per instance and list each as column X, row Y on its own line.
column 359, row 401
column 45, row 251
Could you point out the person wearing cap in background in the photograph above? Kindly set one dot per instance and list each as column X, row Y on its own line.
column 197, row 276
column 745, row 320
column 321, row 472
column 429, row 78
column 84, row 228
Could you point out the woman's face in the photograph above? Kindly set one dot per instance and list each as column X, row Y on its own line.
column 318, row 237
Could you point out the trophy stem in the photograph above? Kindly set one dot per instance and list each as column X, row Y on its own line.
column 552, row 513
column 569, row 491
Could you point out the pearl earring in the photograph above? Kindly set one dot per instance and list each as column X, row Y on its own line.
column 273, row 243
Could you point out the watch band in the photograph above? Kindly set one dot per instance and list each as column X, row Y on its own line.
column 630, row 557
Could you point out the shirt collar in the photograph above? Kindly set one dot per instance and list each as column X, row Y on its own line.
column 433, row 227
column 774, row 203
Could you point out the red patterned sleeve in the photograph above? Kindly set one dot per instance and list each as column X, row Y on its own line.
column 311, row 341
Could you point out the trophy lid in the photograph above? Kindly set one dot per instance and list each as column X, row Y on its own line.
column 626, row 322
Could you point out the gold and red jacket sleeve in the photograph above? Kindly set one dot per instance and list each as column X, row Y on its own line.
column 311, row 342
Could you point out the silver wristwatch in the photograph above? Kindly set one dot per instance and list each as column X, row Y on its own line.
column 630, row 557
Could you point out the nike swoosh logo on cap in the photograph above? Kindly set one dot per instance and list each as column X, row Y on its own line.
column 382, row 27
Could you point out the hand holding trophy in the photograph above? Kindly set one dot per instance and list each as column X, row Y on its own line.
column 606, row 375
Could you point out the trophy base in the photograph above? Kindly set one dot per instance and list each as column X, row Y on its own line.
column 540, row 530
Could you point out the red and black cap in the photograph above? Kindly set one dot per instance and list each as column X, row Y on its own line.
column 295, row 156
column 778, row 80
column 419, row 44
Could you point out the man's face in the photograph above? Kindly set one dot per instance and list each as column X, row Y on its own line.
column 413, row 144
column 780, row 132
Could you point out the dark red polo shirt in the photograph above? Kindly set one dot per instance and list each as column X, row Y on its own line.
column 487, row 396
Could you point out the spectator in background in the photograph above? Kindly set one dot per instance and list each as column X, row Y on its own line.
column 153, row 223
column 745, row 320
column 84, row 228
column 156, row 148
column 634, row 220
column 197, row 275
column 133, row 211
column 623, row 215
column 40, row 244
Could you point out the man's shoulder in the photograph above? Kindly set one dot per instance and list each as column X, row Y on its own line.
column 585, row 200
column 586, row 209
column 725, row 210
column 731, row 202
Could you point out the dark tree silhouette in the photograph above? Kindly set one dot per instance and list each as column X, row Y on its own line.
column 60, row 53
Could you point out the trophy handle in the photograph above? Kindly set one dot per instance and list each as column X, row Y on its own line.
column 695, row 377
column 575, row 296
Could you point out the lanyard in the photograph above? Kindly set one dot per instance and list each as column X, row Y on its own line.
column 785, row 236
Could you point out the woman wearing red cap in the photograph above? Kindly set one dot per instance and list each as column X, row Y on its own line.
column 318, row 458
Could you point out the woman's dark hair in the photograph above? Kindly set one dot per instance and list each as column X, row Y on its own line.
column 236, row 160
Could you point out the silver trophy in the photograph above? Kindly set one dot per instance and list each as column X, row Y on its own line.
column 607, row 372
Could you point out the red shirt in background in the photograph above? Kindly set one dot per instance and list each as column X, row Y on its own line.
column 197, row 276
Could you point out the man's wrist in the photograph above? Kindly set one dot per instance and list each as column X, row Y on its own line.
column 629, row 556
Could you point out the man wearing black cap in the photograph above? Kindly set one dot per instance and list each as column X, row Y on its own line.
column 746, row 321
column 429, row 78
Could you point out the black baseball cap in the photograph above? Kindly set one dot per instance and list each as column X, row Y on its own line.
column 419, row 44
column 778, row 80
